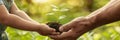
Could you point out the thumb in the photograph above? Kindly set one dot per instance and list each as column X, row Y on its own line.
column 70, row 25
column 52, row 30
column 66, row 27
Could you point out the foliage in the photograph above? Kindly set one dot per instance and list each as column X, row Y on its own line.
column 62, row 11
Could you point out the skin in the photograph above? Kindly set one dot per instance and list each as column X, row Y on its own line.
column 105, row 15
column 20, row 20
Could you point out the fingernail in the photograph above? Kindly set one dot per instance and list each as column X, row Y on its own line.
column 61, row 29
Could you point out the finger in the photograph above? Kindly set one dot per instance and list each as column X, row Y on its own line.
column 66, row 35
column 66, row 27
column 52, row 30
column 53, row 36
column 71, row 24
column 63, row 36
column 47, row 28
column 55, row 33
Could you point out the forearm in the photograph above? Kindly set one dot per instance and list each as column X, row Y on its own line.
column 101, row 9
column 16, row 21
column 108, row 14
column 23, row 15
column 15, row 10
column 19, row 23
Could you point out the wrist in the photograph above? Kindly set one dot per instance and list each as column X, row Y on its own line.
column 40, row 28
column 37, row 28
column 93, row 23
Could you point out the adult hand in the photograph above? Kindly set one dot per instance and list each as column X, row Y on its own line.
column 73, row 29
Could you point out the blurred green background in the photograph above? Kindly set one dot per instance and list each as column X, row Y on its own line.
column 63, row 11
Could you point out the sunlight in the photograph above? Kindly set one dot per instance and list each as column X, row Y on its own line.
column 41, row 1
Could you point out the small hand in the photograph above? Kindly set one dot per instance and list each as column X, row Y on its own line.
column 46, row 30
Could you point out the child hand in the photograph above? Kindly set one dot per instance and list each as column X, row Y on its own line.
column 46, row 30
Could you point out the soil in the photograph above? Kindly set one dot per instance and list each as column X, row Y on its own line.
column 54, row 25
